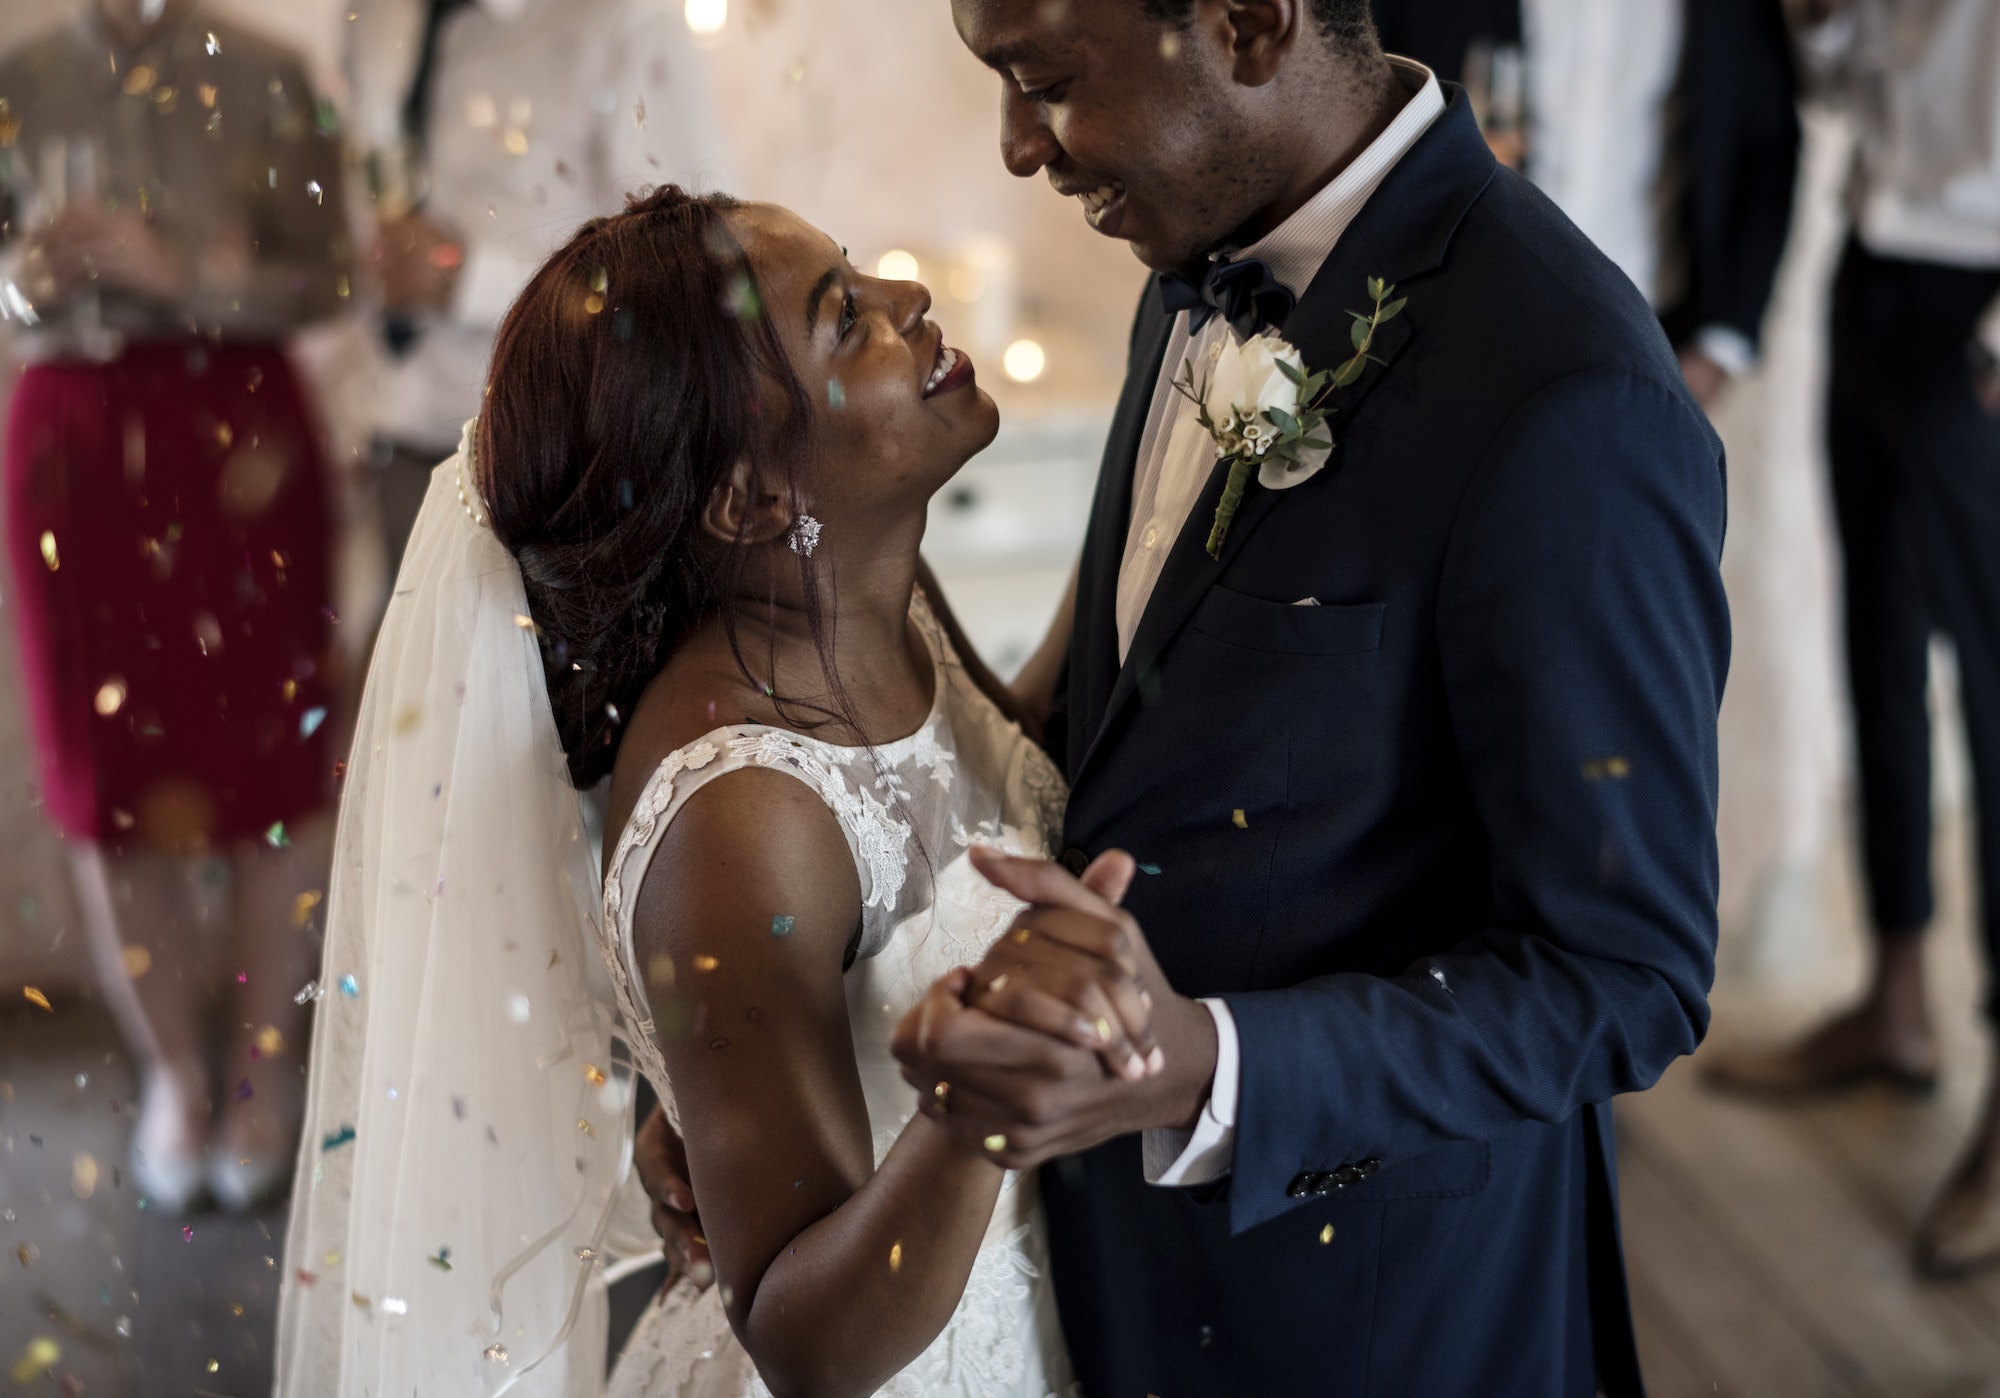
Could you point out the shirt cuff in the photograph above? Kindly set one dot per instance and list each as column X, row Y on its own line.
column 1988, row 330
column 1208, row 1152
column 1730, row 349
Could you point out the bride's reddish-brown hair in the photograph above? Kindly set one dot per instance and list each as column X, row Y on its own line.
column 629, row 378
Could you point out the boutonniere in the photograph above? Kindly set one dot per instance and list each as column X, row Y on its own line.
column 1267, row 414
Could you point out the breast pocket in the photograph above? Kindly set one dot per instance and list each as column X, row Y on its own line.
column 1251, row 623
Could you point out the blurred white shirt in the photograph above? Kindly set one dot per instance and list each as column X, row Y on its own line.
column 544, row 113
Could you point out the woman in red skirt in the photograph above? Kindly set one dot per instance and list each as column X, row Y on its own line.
column 175, row 186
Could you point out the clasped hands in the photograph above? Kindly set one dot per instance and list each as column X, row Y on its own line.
column 1065, row 1035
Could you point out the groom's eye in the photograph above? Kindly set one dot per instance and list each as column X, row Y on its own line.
column 1044, row 94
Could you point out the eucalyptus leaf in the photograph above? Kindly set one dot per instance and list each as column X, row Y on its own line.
column 1376, row 291
column 1349, row 372
column 1393, row 309
column 1282, row 420
column 1297, row 376
column 1361, row 332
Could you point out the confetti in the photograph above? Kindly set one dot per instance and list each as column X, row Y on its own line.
column 137, row 961
column 214, row 46
column 409, row 718
column 836, row 394
column 441, row 1259
column 701, row 963
column 524, row 621
column 49, row 554
column 303, row 905
column 36, row 998
column 214, row 1364
column 334, row 1141
column 895, row 1257
column 1438, row 976
column 318, row 194
column 309, row 722
column 586, row 1128
column 26, row 1253
column 518, row 1008
column 497, row 1353
column 996, row 1142
column 1104, row 1031
column 1326, row 1235
column 1615, row 768
column 38, row 1356
column 110, row 697
column 350, row 987
column 276, row 837
column 309, row 992
column 593, row 1074
column 1236, row 818
column 395, row 1305
column 83, row 1175
column 781, row 925
column 639, row 112
column 588, row 1254
column 1149, row 868
column 187, row 1232
column 1170, row 46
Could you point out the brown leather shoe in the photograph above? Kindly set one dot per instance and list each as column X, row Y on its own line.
column 1962, row 1232
column 1845, row 1051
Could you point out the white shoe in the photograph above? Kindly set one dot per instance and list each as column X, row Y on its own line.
column 167, row 1162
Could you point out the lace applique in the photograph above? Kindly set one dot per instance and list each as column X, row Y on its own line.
column 879, row 837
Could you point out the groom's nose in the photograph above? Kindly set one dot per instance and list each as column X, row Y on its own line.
column 1027, row 145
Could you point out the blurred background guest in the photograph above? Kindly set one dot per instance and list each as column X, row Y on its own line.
column 1666, row 129
column 1913, row 440
column 490, row 129
column 177, row 217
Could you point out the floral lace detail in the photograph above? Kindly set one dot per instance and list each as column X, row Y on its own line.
column 879, row 837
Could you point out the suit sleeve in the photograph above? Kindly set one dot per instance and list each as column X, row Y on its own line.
column 1583, row 638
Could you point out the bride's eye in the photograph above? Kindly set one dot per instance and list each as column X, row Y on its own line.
column 849, row 314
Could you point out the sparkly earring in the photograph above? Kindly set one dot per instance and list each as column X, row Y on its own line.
column 804, row 537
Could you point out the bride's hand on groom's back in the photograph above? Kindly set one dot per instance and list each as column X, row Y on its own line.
column 1067, row 1034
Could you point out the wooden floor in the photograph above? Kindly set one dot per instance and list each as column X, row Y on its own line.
column 1769, row 1246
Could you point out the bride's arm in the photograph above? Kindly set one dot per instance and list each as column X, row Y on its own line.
column 1029, row 698
column 834, row 1274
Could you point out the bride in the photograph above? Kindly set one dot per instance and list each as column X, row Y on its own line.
column 678, row 548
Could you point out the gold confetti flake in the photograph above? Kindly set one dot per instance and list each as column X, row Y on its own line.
column 37, row 1357
column 895, row 1257
column 593, row 1074
column 660, row 972
column 586, row 1128
column 705, row 963
column 110, row 697
column 1236, row 818
column 1104, row 1030
column 1614, row 768
column 409, row 718
column 83, row 1175
column 303, row 905
column 139, row 80
column 996, row 1143
column 37, row 999
column 49, row 554
column 1326, row 1235
column 270, row 1043
column 137, row 961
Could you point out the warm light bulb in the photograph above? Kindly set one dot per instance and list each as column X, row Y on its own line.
column 1024, row 361
column 897, row 266
column 707, row 16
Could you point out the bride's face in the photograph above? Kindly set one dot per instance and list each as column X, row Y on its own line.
column 896, row 411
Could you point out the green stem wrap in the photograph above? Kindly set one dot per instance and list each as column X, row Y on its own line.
column 1232, row 497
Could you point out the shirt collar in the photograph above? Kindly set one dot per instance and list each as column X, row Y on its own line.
column 1295, row 249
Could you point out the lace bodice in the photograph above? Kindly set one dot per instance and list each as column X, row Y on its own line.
column 909, row 811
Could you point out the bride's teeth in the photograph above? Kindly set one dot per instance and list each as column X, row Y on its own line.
column 947, row 361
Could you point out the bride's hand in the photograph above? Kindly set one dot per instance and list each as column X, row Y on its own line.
column 661, row 1159
column 1076, row 977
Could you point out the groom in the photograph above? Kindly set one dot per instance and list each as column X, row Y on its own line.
column 1420, row 774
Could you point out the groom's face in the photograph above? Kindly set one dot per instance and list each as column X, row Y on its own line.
column 1140, row 120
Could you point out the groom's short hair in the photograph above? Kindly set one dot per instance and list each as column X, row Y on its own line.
column 1350, row 24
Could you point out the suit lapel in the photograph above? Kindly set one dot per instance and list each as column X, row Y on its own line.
column 1094, row 654
column 1400, row 234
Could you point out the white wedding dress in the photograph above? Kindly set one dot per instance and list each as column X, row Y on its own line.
column 909, row 809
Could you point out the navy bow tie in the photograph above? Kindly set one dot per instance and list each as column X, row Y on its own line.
column 1245, row 293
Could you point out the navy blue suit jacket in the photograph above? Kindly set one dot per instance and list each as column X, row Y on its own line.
column 1473, row 893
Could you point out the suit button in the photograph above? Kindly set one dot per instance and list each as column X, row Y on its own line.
column 1320, row 1183
column 1346, row 1175
column 1300, row 1186
column 1075, row 860
column 1368, row 1167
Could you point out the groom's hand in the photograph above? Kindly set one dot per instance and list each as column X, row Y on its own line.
column 1026, row 1092
column 661, row 1160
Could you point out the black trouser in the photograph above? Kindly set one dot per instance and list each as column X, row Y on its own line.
column 1916, row 489
column 403, row 477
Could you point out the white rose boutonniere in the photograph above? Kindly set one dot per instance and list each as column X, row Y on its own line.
column 1267, row 414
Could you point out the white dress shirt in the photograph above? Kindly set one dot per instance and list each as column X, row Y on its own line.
column 1921, row 79
column 544, row 113
column 1176, row 457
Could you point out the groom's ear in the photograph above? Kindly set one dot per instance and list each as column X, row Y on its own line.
column 1264, row 35
column 741, row 509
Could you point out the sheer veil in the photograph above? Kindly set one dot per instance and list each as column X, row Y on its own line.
column 466, row 1126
